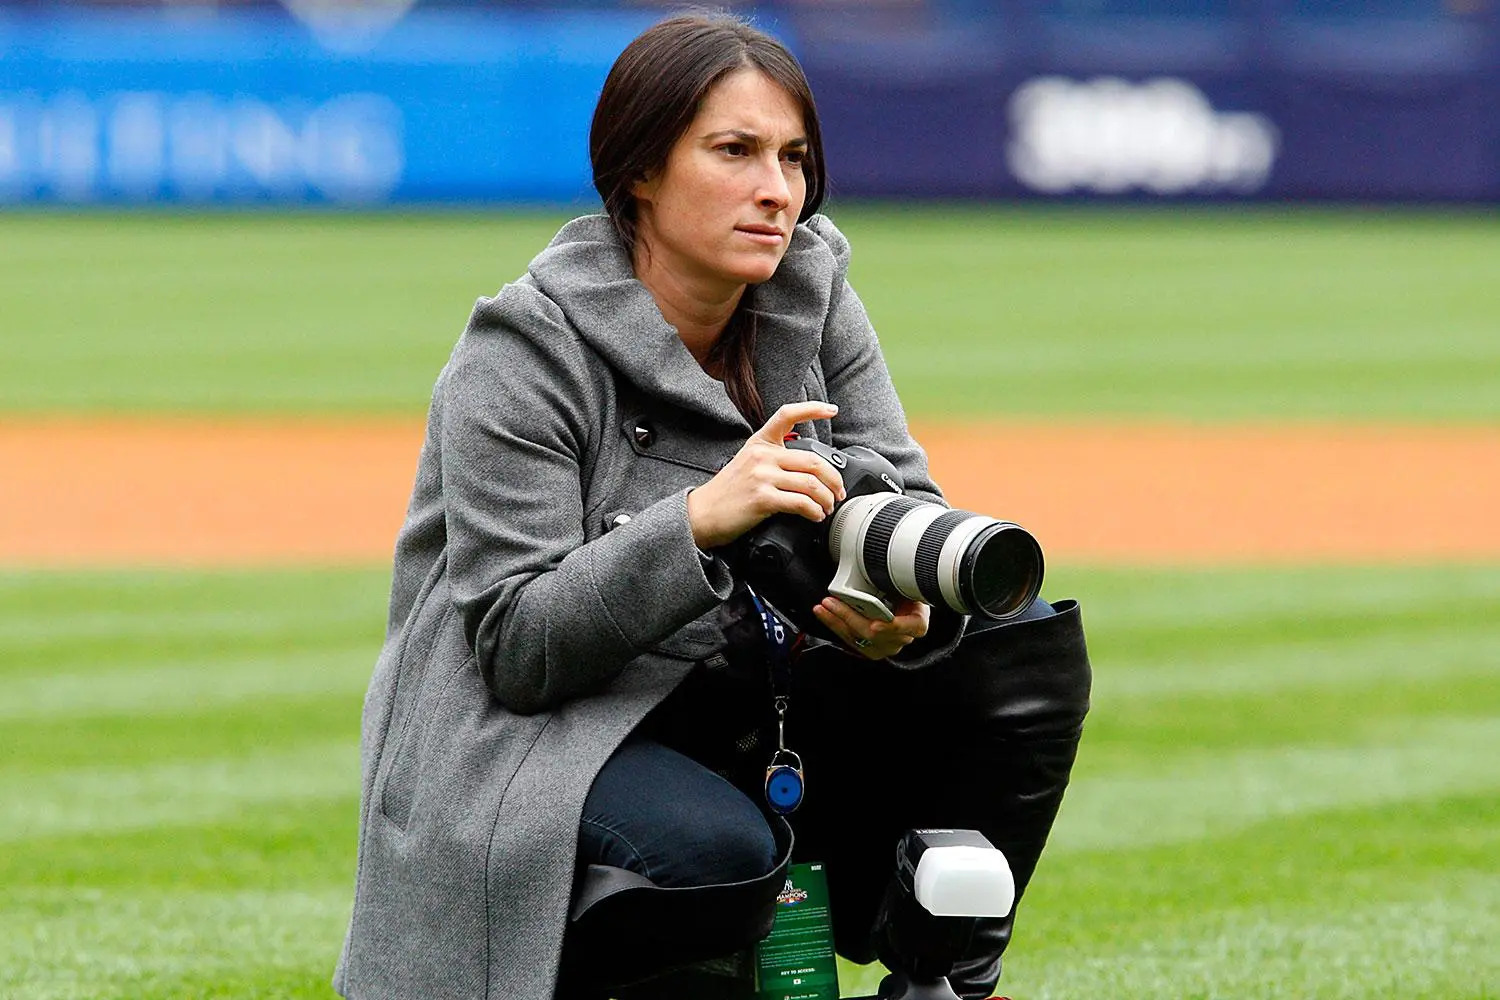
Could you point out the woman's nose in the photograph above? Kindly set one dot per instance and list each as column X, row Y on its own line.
column 774, row 192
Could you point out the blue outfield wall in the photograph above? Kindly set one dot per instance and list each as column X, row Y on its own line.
column 1270, row 99
column 254, row 107
column 1131, row 99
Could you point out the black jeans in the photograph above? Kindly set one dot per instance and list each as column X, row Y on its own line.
column 985, row 741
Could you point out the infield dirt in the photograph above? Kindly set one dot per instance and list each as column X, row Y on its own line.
column 191, row 492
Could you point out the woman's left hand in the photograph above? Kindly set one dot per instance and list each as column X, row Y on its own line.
column 871, row 637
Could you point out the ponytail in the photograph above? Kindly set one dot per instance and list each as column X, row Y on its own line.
column 733, row 356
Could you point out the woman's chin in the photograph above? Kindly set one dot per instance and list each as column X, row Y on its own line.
column 753, row 272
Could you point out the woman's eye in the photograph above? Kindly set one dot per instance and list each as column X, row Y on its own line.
column 796, row 157
column 734, row 148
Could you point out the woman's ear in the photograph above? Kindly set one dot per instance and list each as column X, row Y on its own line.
column 643, row 188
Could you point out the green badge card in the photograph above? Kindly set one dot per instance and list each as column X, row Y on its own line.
column 796, row 962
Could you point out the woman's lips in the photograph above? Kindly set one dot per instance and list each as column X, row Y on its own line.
column 768, row 235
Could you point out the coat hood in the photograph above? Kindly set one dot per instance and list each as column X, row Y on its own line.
column 587, row 272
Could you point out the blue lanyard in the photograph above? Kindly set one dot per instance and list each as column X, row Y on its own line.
column 783, row 641
column 785, row 784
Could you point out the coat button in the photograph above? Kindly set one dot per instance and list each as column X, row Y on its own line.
column 619, row 519
column 644, row 435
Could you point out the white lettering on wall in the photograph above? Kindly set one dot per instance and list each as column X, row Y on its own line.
column 136, row 143
column 1109, row 136
column 68, row 147
column 199, row 146
column 10, row 151
column 354, row 144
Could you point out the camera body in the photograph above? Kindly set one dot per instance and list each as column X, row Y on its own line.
column 880, row 545
column 787, row 558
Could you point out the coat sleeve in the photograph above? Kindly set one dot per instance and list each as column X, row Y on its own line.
column 549, row 615
column 870, row 414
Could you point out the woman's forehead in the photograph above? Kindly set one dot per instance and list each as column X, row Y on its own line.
column 749, row 101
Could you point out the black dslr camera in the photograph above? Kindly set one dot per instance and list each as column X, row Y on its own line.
column 880, row 543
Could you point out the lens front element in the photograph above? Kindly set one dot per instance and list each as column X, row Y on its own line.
column 968, row 562
column 1000, row 573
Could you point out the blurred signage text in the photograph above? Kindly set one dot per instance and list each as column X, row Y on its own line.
column 368, row 102
column 1108, row 136
column 145, row 145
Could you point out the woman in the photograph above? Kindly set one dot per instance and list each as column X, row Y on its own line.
column 605, row 426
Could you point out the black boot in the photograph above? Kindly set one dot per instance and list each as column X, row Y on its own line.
column 1016, row 697
column 981, row 740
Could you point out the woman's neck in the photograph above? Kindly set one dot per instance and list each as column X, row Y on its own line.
column 700, row 310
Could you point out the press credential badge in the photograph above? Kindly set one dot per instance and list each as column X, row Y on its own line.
column 796, row 961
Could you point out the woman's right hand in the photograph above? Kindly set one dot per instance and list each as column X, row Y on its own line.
column 765, row 477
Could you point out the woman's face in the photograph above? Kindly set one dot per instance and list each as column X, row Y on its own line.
column 720, row 213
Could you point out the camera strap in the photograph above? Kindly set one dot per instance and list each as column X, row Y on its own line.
column 785, row 784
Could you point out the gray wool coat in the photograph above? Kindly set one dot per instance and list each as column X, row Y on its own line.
column 547, row 592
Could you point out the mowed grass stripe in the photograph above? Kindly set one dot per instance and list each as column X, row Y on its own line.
column 70, row 945
column 1260, row 663
column 1308, row 633
column 43, row 803
column 228, row 729
column 1439, row 947
column 1349, row 905
column 1213, row 315
column 1128, row 735
column 184, row 685
column 1207, row 315
column 125, row 629
column 1334, row 906
column 295, row 846
column 1188, row 608
column 1187, row 794
column 1260, row 658
column 1299, row 860
column 98, row 622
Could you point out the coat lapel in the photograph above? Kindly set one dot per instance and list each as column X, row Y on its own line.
column 587, row 272
column 790, row 310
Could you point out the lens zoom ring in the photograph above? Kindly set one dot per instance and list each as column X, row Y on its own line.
column 877, row 541
column 930, row 548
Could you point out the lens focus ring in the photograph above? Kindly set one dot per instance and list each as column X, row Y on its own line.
column 930, row 548
column 877, row 541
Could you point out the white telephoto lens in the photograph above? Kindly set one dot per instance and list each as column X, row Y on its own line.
column 902, row 561
column 926, row 552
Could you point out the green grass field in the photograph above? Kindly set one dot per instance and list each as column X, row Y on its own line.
column 1290, row 782
column 1206, row 316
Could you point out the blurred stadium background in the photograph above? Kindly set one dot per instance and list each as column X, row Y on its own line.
column 1194, row 216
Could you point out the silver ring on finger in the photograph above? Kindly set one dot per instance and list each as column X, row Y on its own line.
column 862, row 642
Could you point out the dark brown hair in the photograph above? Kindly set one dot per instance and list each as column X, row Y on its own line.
column 652, row 94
